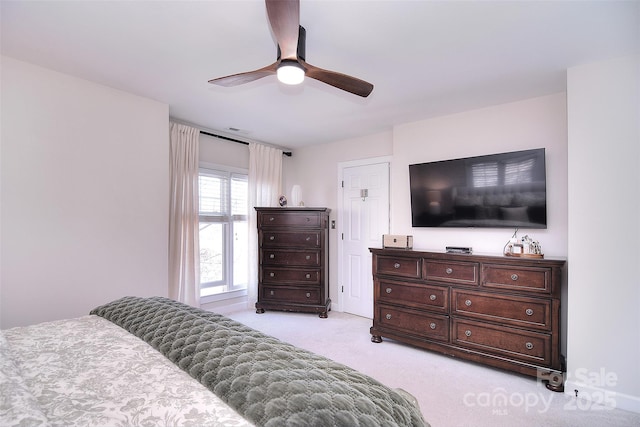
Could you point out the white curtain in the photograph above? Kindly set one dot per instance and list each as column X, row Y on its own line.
column 184, row 231
column 265, row 182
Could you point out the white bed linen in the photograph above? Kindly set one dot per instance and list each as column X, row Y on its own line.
column 89, row 372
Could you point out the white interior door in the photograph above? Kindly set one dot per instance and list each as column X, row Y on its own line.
column 365, row 219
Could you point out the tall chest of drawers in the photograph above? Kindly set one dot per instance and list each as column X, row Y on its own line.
column 293, row 254
column 499, row 311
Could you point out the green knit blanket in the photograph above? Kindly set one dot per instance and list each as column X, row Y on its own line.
column 267, row 381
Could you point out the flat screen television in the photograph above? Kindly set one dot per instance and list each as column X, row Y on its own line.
column 506, row 190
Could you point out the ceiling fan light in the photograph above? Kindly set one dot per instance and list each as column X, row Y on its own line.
column 290, row 73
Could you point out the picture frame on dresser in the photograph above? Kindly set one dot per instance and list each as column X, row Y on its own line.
column 494, row 310
column 293, row 260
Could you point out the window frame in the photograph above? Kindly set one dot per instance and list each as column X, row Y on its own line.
column 233, row 291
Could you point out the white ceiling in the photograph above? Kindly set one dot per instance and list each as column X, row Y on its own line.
column 425, row 58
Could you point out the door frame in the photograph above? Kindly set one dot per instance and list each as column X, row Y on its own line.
column 341, row 167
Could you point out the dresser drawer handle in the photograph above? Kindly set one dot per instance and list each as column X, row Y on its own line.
column 388, row 316
column 308, row 219
column 432, row 325
column 432, row 297
column 529, row 312
column 396, row 265
column 388, row 290
column 449, row 270
column 308, row 239
column 468, row 303
column 514, row 277
column 308, row 276
column 308, row 294
column 308, row 257
column 467, row 333
column 272, row 256
column 272, row 293
column 529, row 345
column 272, row 237
column 272, row 219
column 272, row 274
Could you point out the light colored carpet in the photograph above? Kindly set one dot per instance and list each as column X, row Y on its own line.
column 451, row 392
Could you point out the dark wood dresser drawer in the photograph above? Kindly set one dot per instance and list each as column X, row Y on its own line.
column 290, row 219
column 433, row 326
column 519, row 311
column 434, row 298
column 290, row 257
column 302, row 239
column 530, row 279
column 281, row 276
column 293, row 269
column 465, row 273
column 289, row 294
column 398, row 266
column 528, row 346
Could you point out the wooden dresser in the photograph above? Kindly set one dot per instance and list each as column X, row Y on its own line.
column 496, row 310
column 293, row 273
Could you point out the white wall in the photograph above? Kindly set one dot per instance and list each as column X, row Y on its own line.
column 533, row 123
column 604, row 232
column 84, row 195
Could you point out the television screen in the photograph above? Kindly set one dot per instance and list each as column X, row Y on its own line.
column 506, row 190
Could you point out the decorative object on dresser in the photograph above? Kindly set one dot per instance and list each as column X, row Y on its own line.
column 499, row 311
column 397, row 241
column 293, row 273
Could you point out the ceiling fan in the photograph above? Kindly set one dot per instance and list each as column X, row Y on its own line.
column 290, row 65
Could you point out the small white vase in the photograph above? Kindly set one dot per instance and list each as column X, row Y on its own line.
column 296, row 195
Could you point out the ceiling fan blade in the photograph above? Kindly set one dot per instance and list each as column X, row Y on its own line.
column 284, row 18
column 339, row 80
column 242, row 78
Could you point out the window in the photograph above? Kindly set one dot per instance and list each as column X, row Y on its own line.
column 509, row 172
column 484, row 174
column 223, row 199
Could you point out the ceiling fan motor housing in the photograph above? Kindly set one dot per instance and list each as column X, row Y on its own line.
column 302, row 42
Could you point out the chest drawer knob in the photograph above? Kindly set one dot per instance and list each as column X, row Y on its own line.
column 308, row 295
column 396, row 265
column 529, row 312
column 272, row 293
column 272, row 219
column 467, row 333
column 308, row 239
column 308, row 276
column 308, row 257
column 529, row 345
column 432, row 297
column 514, row 277
column 449, row 270
column 432, row 325
column 272, row 256
column 272, row 237
column 388, row 290
column 468, row 303
column 388, row 316
column 272, row 274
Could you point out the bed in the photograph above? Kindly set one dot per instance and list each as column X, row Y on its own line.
column 154, row 361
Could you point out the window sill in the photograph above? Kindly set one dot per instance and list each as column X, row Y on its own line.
column 223, row 296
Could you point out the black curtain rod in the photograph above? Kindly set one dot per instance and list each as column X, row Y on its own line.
column 286, row 153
